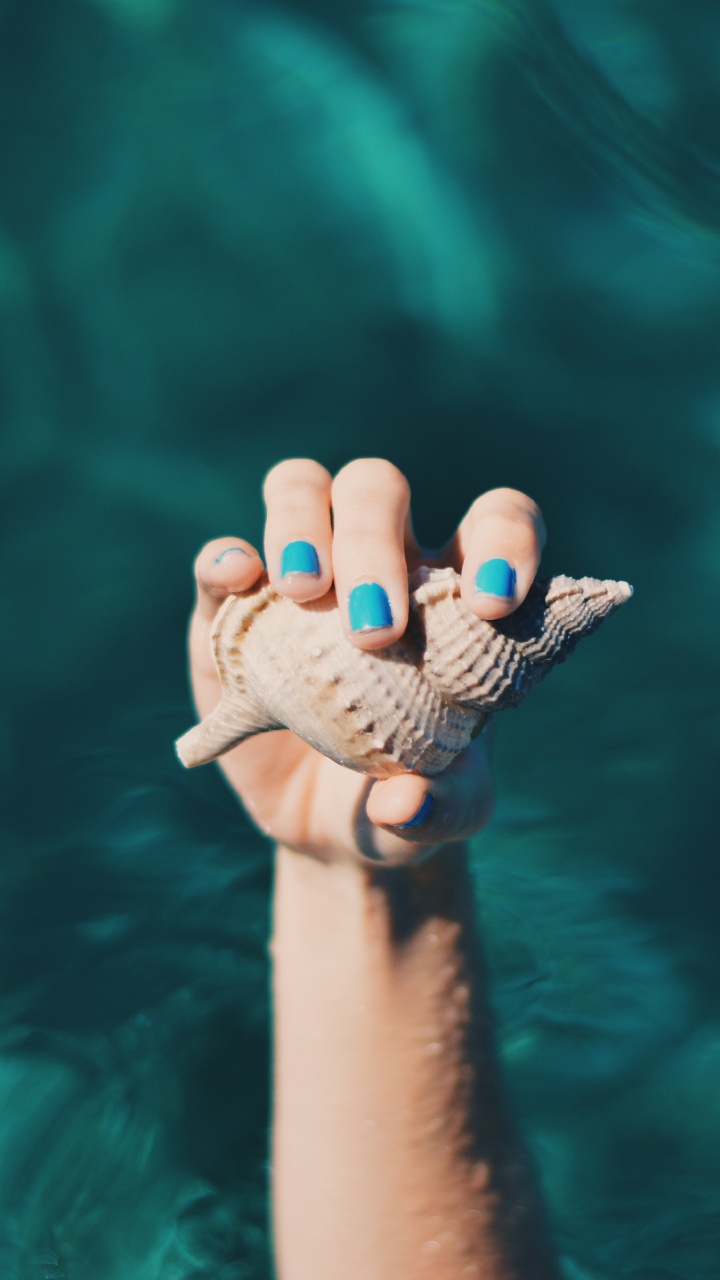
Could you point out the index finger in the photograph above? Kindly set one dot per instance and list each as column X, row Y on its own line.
column 499, row 544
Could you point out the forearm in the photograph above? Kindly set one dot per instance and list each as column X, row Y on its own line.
column 393, row 1151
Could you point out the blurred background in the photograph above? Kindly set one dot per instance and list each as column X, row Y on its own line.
column 480, row 239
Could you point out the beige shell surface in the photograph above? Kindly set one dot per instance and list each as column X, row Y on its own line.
column 411, row 707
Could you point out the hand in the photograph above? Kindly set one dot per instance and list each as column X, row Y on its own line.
column 297, row 796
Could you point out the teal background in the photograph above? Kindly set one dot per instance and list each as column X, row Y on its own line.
column 481, row 240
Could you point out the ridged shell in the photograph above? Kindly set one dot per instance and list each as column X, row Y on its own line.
column 411, row 707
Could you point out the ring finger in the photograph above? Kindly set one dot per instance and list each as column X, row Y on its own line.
column 298, row 532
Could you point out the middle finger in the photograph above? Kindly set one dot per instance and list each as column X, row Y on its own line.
column 371, row 503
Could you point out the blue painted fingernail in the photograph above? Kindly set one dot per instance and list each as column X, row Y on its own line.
column 231, row 551
column 369, row 607
column 422, row 814
column 496, row 578
column 300, row 557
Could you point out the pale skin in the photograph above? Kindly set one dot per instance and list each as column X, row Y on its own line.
column 393, row 1150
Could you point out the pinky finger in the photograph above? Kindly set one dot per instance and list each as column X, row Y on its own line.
column 224, row 567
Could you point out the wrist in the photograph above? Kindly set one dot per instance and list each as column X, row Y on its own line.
column 393, row 905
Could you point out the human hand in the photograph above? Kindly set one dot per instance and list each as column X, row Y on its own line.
column 297, row 796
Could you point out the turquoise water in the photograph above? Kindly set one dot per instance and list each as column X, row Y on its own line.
column 480, row 239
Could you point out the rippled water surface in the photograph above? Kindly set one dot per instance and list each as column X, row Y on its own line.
column 480, row 239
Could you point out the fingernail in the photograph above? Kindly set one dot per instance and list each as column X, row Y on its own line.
column 300, row 557
column 369, row 608
column 230, row 552
column 422, row 814
column 496, row 578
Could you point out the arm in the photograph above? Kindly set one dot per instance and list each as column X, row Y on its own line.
column 393, row 1150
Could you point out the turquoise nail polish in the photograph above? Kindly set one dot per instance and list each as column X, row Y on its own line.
column 369, row 607
column 422, row 814
column 231, row 551
column 496, row 578
column 300, row 557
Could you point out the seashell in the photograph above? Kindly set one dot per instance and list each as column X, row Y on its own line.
column 411, row 707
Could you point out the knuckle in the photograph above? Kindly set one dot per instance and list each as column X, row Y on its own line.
column 363, row 542
column 510, row 502
column 293, row 473
column 509, row 527
column 374, row 475
column 298, row 504
column 505, row 494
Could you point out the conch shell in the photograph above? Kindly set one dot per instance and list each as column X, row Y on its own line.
column 411, row 707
